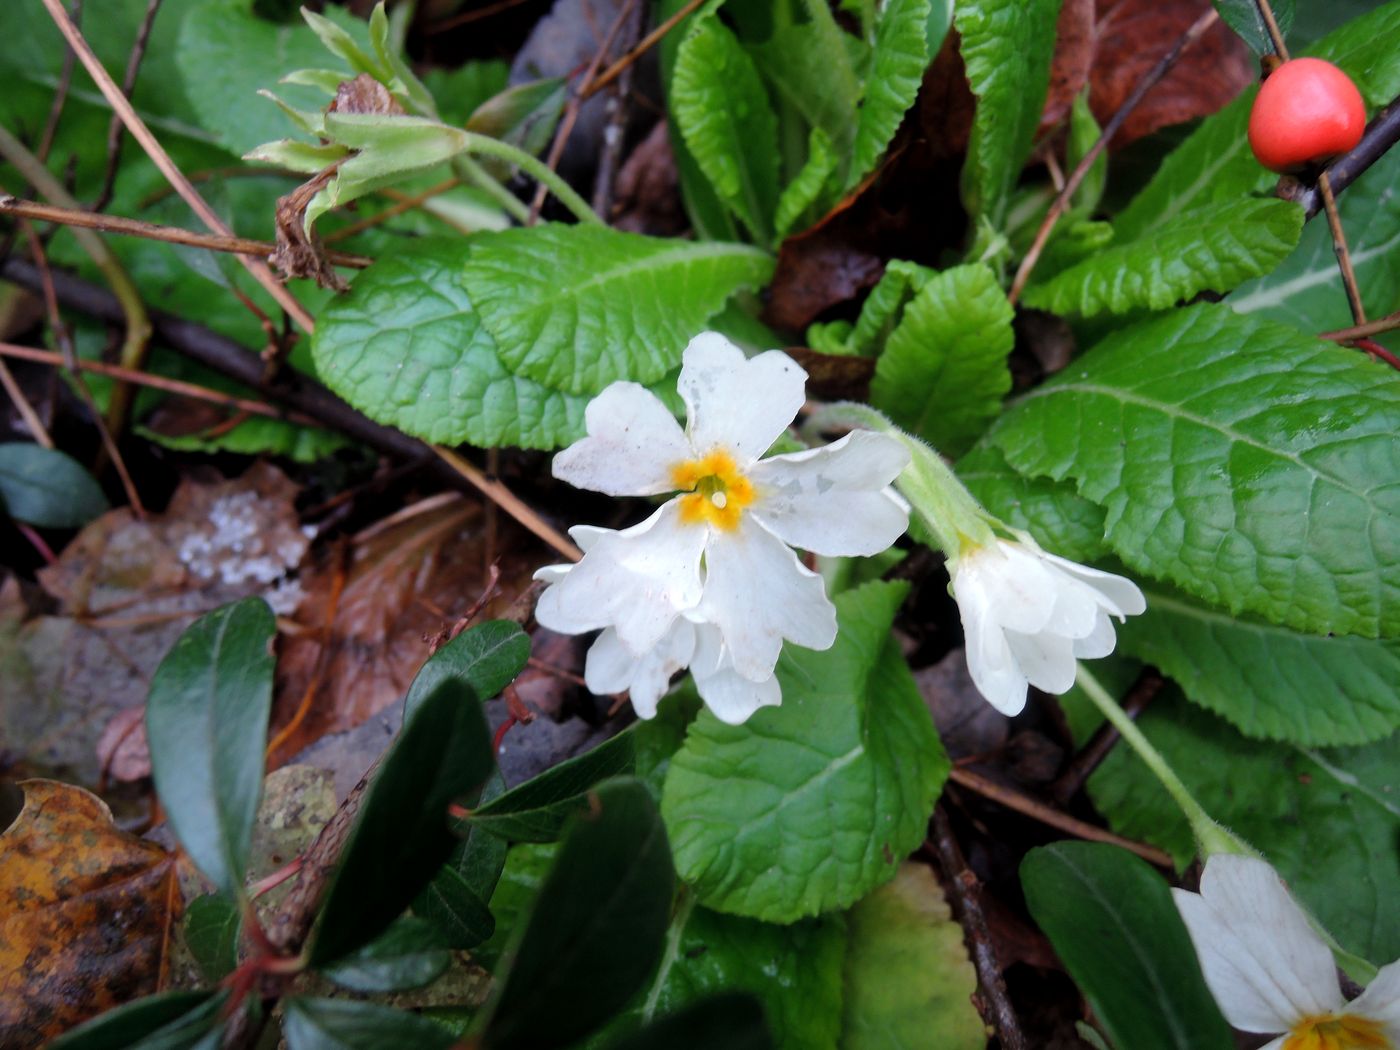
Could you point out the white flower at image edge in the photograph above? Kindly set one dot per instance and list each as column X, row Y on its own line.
column 1029, row 616
column 1272, row 973
column 709, row 580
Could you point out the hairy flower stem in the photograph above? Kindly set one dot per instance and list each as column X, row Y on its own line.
column 486, row 146
column 1211, row 837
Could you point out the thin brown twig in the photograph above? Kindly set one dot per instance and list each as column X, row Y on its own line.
column 576, row 100
column 645, row 44
column 60, row 334
column 154, row 231
column 119, row 102
column 615, row 124
column 1388, row 323
column 467, row 17
column 1061, row 202
column 511, row 504
column 32, row 422
column 1324, row 187
column 1037, row 810
column 1144, row 690
column 1380, row 136
column 170, row 386
column 402, row 204
column 60, row 95
column 994, row 1003
column 114, row 129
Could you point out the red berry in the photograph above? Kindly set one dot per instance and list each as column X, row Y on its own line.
column 1307, row 111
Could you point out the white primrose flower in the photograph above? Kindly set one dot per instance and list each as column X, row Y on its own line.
column 1028, row 616
column 709, row 580
column 1271, row 972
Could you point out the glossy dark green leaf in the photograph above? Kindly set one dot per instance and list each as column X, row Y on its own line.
column 169, row 1020
column 489, row 656
column 455, row 902
column 1114, row 926
column 206, row 720
column 346, row 1024
column 595, row 931
column 731, row 1020
column 536, row 810
column 401, row 839
column 1244, row 17
column 212, row 926
column 409, row 954
column 45, row 487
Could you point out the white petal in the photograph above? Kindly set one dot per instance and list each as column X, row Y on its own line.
column 733, row 698
column 613, row 668
column 1078, row 607
column 1380, row 1001
column 633, row 442
column 553, row 573
column 1121, row 595
column 1266, row 967
column 1013, row 585
column 989, row 660
column 1046, row 659
column 757, row 593
column 1098, row 642
column 636, row 580
column 834, row 500
column 738, row 403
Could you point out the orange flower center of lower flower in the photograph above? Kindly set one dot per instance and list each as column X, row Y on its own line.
column 1337, row 1032
column 717, row 490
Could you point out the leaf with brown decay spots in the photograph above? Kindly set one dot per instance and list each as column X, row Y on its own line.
column 86, row 914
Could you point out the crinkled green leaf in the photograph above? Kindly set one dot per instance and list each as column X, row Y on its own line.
column 212, row 927
column 347, row 1024
column 1306, row 289
column 400, row 837
column 46, row 487
column 802, row 197
column 807, row 806
column 407, row 348
column 1244, row 17
column 595, row 931
column 794, row 970
column 226, row 53
column 884, row 307
column 206, row 720
column 907, row 971
column 896, row 70
column 577, row 307
column 1084, row 132
column 1244, row 462
column 537, row 810
column 1329, row 820
column 943, row 372
column 1115, row 927
column 1006, row 47
column 1212, row 248
column 811, row 67
column 722, row 110
column 1270, row 682
column 409, row 954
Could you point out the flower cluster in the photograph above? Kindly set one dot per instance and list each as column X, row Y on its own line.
column 710, row 580
column 1271, row 972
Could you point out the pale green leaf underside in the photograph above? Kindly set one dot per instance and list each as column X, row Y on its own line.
column 896, row 71
column 406, row 348
column 907, row 971
column 1006, row 47
column 1328, row 820
column 1270, row 682
column 577, row 307
column 1212, row 248
column 1306, row 288
column 1250, row 465
column 723, row 112
column 943, row 372
column 808, row 806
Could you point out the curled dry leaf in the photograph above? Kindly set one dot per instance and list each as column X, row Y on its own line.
column 87, row 913
column 395, row 588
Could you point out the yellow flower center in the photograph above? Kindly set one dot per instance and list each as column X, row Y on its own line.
column 1337, row 1032
column 718, row 491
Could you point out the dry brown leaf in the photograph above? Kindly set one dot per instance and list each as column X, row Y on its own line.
column 401, row 583
column 86, row 914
